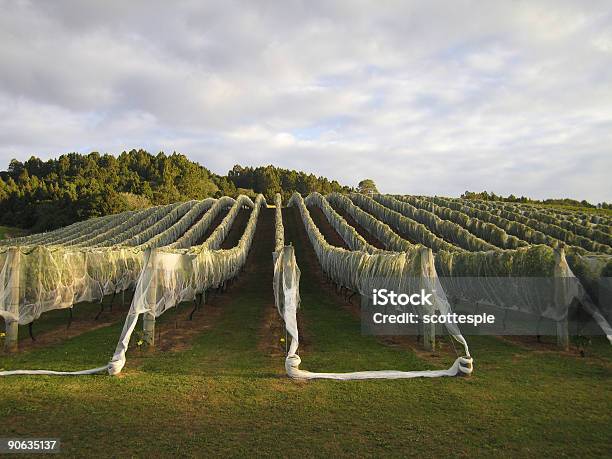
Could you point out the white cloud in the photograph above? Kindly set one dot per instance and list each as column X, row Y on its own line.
column 423, row 97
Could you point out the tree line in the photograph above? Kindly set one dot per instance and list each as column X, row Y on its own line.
column 490, row 196
column 43, row 195
column 270, row 180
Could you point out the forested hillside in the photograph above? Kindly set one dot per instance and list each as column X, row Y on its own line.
column 270, row 180
column 42, row 195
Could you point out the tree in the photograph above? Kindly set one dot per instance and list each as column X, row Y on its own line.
column 4, row 191
column 226, row 187
column 367, row 186
column 44, row 195
column 135, row 201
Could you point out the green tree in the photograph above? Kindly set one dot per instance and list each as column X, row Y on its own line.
column 43, row 195
column 367, row 186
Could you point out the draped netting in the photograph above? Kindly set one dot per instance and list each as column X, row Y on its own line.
column 459, row 248
column 359, row 271
column 113, row 235
column 279, row 230
column 402, row 224
column 349, row 234
column 127, row 233
column 484, row 230
column 38, row 278
column 591, row 271
column 447, row 230
column 372, row 225
column 537, row 279
column 527, row 229
column 197, row 231
column 593, row 239
column 171, row 276
column 42, row 277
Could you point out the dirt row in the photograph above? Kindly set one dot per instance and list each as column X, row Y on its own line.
column 328, row 232
column 213, row 226
column 360, row 229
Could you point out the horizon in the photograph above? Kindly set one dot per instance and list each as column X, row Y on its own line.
column 424, row 99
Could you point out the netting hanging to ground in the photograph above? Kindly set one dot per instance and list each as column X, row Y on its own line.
column 358, row 271
column 57, row 276
column 161, row 253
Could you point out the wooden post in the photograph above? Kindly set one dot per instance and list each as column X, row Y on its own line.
column 148, row 321
column 560, row 297
column 148, row 326
column 428, row 271
column 12, row 328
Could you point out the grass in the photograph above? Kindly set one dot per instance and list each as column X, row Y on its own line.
column 9, row 231
column 587, row 210
column 226, row 395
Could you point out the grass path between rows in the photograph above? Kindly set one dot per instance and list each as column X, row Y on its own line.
column 222, row 394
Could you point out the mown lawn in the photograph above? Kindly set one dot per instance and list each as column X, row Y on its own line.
column 227, row 393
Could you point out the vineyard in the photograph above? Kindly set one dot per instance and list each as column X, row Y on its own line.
column 147, row 267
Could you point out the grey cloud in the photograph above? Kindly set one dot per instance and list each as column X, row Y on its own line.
column 433, row 97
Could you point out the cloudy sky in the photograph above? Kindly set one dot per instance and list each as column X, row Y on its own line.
column 423, row 97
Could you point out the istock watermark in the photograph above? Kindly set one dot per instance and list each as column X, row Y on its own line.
column 383, row 297
column 536, row 306
column 424, row 312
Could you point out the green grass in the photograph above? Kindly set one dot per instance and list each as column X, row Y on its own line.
column 225, row 395
column 587, row 210
column 8, row 231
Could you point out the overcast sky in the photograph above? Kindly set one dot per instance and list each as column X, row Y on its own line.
column 423, row 97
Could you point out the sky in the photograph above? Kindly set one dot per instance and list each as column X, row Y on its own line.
column 422, row 97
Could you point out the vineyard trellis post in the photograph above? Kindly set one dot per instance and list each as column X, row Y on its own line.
column 148, row 319
column 561, row 296
column 428, row 273
column 12, row 327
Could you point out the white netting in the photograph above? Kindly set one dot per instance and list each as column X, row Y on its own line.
column 349, row 234
column 161, row 225
column 279, row 231
column 74, row 230
column 197, row 231
column 418, row 232
column 56, row 277
column 220, row 233
column 173, row 276
column 372, row 225
column 447, row 230
column 523, row 279
column 550, row 227
column 88, row 260
column 174, row 232
column 358, row 271
column 117, row 230
column 129, row 233
column 485, row 230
